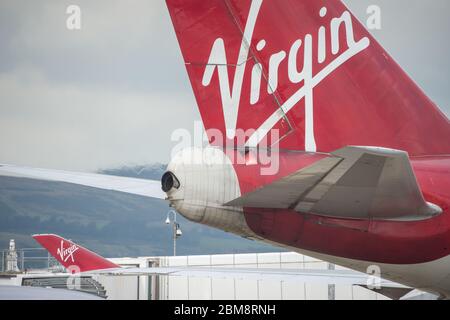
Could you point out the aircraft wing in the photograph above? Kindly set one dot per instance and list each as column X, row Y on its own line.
column 43, row 294
column 343, row 277
column 76, row 258
column 354, row 182
column 141, row 187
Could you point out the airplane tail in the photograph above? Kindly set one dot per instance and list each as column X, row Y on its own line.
column 301, row 75
column 73, row 257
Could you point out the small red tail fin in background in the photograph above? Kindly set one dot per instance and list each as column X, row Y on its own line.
column 305, row 67
column 73, row 257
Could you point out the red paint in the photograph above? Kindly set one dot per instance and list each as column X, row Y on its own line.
column 367, row 101
column 72, row 256
column 377, row 241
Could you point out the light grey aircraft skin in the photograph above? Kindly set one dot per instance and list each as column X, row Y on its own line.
column 35, row 293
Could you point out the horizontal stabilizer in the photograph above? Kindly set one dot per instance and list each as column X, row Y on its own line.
column 354, row 182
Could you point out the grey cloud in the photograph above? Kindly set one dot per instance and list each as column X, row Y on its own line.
column 63, row 126
column 415, row 33
column 122, row 44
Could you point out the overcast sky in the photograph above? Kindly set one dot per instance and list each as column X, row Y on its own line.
column 112, row 93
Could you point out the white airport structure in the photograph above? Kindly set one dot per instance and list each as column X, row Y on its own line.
column 11, row 257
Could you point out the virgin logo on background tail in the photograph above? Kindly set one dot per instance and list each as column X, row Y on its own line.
column 66, row 253
column 231, row 97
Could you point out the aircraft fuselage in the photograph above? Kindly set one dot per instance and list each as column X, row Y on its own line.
column 415, row 253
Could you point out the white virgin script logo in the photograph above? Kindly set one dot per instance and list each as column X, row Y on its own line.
column 231, row 97
column 67, row 253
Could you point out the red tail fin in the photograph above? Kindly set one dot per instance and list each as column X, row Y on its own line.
column 73, row 257
column 307, row 68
